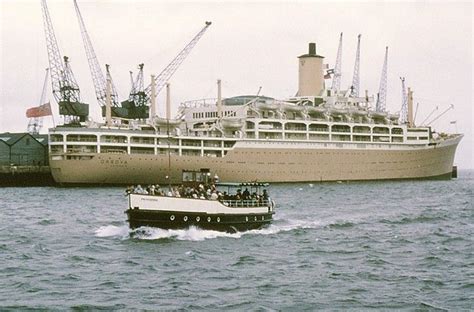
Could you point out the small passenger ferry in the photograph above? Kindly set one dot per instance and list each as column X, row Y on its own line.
column 196, row 206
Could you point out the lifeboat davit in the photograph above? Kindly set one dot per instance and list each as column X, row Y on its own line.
column 394, row 117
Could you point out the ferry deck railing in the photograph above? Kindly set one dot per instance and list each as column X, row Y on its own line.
column 244, row 203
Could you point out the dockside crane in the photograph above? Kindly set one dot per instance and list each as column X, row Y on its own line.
column 382, row 95
column 64, row 86
column 98, row 79
column 336, row 79
column 404, row 111
column 137, row 93
column 356, row 77
column 139, row 105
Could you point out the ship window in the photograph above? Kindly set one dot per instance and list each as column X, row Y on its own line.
column 56, row 137
column 380, row 130
column 361, row 129
column 397, row 130
column 340, row 128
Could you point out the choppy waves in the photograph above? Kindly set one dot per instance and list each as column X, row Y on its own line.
column 332, row 246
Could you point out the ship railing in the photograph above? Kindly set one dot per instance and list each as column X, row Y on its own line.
column 245, row 203
column 199, row 103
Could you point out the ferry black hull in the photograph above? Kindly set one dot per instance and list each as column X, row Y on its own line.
column 182, row 220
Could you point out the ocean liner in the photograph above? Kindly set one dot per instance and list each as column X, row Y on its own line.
column 321, row 134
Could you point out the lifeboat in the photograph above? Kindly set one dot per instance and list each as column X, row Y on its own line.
column 232, row 123
column 358, row 112
column 164, row 122
column 268, row 105
column 315, row 109
column 378, row 114
column 293, row 108
column 338, row 111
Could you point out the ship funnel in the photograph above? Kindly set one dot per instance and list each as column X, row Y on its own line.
column 310, row 76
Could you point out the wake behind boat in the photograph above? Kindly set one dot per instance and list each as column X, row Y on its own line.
column 219, row 211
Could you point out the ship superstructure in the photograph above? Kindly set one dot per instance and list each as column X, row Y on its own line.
column 318, row 135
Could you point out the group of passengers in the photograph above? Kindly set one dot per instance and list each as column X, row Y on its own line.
column 202, row 191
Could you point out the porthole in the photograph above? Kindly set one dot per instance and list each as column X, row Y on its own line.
column 208, row 219
column 172, row 217
column 255, row 218
column 247, row 219
column 198, row 219
column 218, row 219
column 185, row 218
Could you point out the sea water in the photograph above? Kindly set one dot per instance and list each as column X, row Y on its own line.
column 404, row 245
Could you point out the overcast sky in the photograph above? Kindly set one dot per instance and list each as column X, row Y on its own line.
column 250, row 44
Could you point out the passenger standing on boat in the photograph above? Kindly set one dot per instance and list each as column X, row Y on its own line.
column 246, row 194
column 159, row 191
column 151, row 190
column 129, row 189
column 238, row 196
column 139, row 190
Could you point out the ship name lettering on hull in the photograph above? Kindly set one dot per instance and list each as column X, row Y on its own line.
column 121, row 163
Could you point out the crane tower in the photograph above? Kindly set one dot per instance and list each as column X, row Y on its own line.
column 64, row 86
column 336, row 80
column 98, row 79
column 356, row 78
column 404, row 111
column 140, row 105
column 382, row 95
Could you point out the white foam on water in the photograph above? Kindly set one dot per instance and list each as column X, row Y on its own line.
column 190, row 234
column 197, row 234
column 112, row 230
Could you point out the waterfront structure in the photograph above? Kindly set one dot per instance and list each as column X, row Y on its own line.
column 24, row 160
column 23, row 149
column 319, row 135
